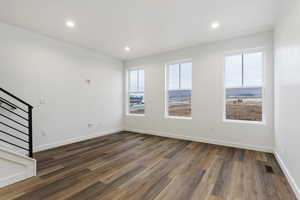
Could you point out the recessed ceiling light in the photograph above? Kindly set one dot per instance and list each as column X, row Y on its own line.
column 127, row 48
column 70, row 24
column 215, row 25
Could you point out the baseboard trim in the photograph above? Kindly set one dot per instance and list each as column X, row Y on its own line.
column 73, row 140
column 203, row 140
column 15, row 178
column 157, row 133
column 287, row 174
column 23, row 166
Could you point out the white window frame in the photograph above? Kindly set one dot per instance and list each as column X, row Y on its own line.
column 167, row 89
column 262, row 50
column 130, row 92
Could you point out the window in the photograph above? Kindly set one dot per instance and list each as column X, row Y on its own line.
column 244, row 86
column 136, row 104
column 179, row 89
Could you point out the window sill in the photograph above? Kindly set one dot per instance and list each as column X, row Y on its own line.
column 262, row 123
column 174, row 117
column 135, row 115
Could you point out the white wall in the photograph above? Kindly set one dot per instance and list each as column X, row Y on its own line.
column 207, row 106
column 287, row 91
column 35, row 67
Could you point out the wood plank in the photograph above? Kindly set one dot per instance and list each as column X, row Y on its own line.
column 141, row 167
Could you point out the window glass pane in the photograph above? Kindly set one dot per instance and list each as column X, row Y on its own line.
column 186, row 75
column 253, row 69
column 179, row 103
column 136, row 103
column 244, row 104
column 141, row 80
column 133, row 78
column 173, row 77
column 233, row 70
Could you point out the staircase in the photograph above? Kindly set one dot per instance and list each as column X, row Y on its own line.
column 16, row 152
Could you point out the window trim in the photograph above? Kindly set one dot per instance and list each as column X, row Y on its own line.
column 129, row 92
column 252, row 50
column 166, row 114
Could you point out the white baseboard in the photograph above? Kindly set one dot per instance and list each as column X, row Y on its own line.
column 287, row 174
column 77, row 139
column 18, row 166
column 203, row 140
column 14, row 179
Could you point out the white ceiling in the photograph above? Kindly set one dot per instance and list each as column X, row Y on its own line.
column 147, row 26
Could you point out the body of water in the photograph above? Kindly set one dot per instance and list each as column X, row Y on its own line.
column 232, row 93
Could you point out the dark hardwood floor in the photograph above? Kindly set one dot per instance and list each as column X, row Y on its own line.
column 131, row 166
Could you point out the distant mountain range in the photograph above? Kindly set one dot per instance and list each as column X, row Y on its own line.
column 244, row 92
column 255, row 92
column 180, row 94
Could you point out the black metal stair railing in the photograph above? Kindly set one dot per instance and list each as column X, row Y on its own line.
column 13, row 115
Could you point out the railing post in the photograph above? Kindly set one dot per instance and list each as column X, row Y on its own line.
column 30, row 130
